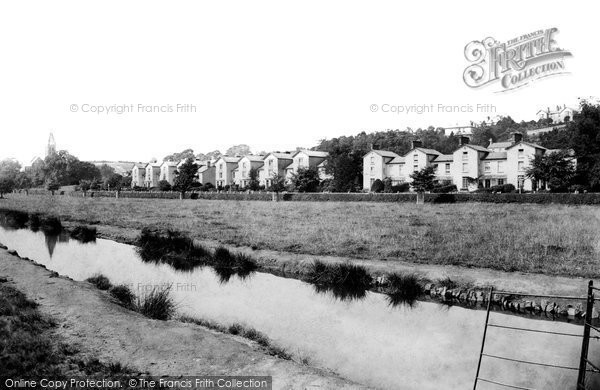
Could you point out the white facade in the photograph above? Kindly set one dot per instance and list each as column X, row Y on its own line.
column 225, row 166
column 274, row 164
column 138, row 175
column 168, row 170
column 468, row 167
column 152, row 175
column 246, row 163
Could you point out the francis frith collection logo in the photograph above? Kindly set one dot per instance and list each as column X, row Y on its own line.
column 514, row 63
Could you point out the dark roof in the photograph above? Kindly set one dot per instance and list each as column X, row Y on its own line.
column 477, row 147
column 528, row 144
column 427, row 151
column 443, row 158
column 313, row 153
column 495, row 156
column 503, row 145
column 397, row 160
column 385, row 153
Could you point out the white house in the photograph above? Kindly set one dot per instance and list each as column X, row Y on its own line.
column 168, row 171
column 138, row 174
column 152, row 175
column 247, row 163
column 306, row 159
column 274, row 164
column 560, row 115
column 225, row 166
column 468, row 167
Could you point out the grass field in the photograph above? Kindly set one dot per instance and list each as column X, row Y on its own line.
column 552, row 239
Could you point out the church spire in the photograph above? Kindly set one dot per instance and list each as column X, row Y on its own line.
column 51, row 149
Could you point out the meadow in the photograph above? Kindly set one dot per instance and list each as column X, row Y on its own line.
column 551, row 239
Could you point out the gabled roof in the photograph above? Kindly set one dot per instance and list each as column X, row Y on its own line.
column 170, row 163
column 500, row 145
column 444, row 158
column 154, row 165
column 495, row 156
column 430, row 152
column 476, row 147
column 140, row 165
column 204, row 168
column 254, row 158
column 280, row 156
column 385, row 153
column 528, row 144
column 397, row 160
column 312, row 153
column 229, row 159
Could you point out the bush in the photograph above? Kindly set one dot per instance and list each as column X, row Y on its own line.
column 164, row 185
column 403, row 289
column 100, row 281
column 377, row 186
column 123, row 293
column 171, row 247
column 403, row 187
column 50, row 224
column 157, row 304
column 444, row 189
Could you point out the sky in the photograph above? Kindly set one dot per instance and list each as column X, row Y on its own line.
column 275, row 75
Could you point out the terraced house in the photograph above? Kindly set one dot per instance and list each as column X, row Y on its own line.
column 225, row 166
column 274, row 164
column 468, row 167
column 242, row 172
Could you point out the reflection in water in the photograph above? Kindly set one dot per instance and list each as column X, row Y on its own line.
column 400, row 299
column 341, row 292
column 52, row 238
column 425, row 347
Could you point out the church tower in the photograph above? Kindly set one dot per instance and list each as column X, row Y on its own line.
column 51, row 149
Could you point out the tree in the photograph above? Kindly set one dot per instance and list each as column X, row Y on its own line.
column 555, row 169
column 185, row 177
column 164, row 185
column 423, row 180
column 377, row 186
column 23, row 181
column 277, row 185
column 85, row 186
column 183, row 155
column 106, row 171
column 52, row 184
column 113, row 182
column 9, row 170
column 253, row 183
column 306, row 180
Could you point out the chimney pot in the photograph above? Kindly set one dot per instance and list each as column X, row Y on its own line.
column 463, row 140
column 416, row 144
column 517, row 137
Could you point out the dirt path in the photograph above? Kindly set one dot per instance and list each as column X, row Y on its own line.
column 90, row 320
column 292, row 264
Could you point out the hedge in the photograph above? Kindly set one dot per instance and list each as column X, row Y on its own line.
column 538, row 198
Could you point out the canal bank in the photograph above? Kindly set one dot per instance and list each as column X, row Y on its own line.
column 91, row 321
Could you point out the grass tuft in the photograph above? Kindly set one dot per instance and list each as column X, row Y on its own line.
column 124, row 294
column 157, row 304
column 100, row 281
column 404, row 289
column 171, row 247
column 345, row 281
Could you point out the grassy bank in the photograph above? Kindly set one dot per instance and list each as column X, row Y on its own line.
column 30, row 349
column 552, row 239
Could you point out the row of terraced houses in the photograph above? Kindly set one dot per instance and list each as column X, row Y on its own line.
column 467, row 167
column 234, row 170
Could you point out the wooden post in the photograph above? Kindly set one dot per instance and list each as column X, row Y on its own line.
column 586, row 337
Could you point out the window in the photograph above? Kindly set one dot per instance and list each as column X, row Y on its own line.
column 521, row 153
column 500, row 166
column 372, row 159
column 465, row 182
column 244, row 165
column 220, row 175
column 520, row 181
column 486, row 167
column 500, row 182
column 243, row 173
column 415, row 168
column 416, row 158
column 270, row 163
column 465, row 156
column 521, row 165
column 487, row 183
column 301, row 161
column 435, row 167
column 221, row 166
column 372, row 170
column 448, row 168
column 465, row 168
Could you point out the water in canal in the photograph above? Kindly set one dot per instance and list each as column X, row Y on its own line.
column 426, row 346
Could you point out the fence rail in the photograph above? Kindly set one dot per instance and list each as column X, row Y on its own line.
column 584, row 363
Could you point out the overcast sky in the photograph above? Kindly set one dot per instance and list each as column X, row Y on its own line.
column 271, row 74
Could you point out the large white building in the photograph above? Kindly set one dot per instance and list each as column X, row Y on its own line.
column 467, row 167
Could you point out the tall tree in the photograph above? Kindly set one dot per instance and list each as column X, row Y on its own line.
column 253, row 183
column 306, row 180
column 186, row 176
column 556, row 169
column 9, row 170
column 423, row 180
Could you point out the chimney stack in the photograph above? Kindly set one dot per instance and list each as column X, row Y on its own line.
column 463, row 140
column 416, row 144
column 517, row 137
column 491, row 142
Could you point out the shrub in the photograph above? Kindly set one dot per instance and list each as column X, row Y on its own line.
column 50, row 224
column 345, row 281
column 444, row 189
column 403, row 289
column 84, row 233
column 157, row 304
column 377, row 186
column 171, row 247
column 100, row 281
column 403, row 187
column 123, row 293
column 164, row 185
